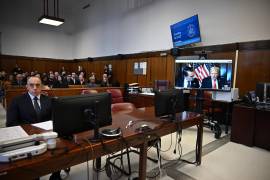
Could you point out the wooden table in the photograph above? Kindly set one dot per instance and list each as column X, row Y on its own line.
column 68, row 153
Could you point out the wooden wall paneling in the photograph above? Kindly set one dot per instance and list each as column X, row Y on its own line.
column 50, row 65
column 25, row 64
column 8, row 63
column 91, row 67
column 95, row 67
column 66, row 64
column 39, row 65
column 131, row 77
column 120, row 71
column 158, row 69
column 253, row 67
column 170, row 72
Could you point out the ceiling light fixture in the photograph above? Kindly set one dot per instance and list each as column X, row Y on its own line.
column 51, row 20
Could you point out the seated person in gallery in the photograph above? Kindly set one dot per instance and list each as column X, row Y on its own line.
column 60, row 83
column 92, row 82
column 189, row 80
column 213, row 81
column 18, row 81
column 81, row 79
column 74, row 80
column 104, row 82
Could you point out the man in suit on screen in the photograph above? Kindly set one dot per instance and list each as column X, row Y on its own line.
column 189, row 79
column 213, row 81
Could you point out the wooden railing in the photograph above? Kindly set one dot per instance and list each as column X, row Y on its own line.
column 11, row 93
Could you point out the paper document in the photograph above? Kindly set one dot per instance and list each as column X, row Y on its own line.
column 47, row 125
column 11, row 133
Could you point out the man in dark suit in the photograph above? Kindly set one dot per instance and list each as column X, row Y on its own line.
column 24, row 110
column 189, row 80
column 19, row 81
column 31, row 107
column 213, row 81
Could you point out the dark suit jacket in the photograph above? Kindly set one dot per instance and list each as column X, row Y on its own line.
column 194, row 83
column 207, row 83
column 21, row 110
column 71, row 82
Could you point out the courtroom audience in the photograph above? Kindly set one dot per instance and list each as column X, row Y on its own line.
column 54, row 79
column 60, row 83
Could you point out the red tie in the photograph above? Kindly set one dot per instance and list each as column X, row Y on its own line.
column 215, row 84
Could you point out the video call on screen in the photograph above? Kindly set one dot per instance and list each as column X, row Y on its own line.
column 201, row 72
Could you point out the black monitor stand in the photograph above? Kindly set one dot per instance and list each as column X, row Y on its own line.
column 93, row 121
column 199, row 101
column 173, row 111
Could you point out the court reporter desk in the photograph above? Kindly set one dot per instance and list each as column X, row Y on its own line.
column 68, row 153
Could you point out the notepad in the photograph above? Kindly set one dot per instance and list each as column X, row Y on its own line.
column 10, row 133
column 47, row 125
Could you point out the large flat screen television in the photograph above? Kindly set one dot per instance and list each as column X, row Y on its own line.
column 186, row 32
column 74, row 114
column 204, row 74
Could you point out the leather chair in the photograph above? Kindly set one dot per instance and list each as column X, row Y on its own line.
column 123, row 108
column 89, row 91
column 161, row 85
column 117, row 96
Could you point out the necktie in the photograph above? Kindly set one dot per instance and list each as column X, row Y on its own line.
column 36, row 106
column 215, row 84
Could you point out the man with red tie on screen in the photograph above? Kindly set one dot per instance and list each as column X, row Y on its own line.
column 213, row 81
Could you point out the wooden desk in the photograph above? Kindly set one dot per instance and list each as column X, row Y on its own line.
column 68, row 153
column 141, row 100
column 250, row 126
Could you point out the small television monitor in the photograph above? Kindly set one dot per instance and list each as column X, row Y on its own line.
column 168, row 102
column 205, row 74
column 263, row 91
column 74, row 114
column 186, row 32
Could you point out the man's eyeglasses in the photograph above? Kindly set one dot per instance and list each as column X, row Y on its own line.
column 33, row 85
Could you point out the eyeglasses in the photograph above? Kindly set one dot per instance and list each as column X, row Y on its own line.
column 33, row 85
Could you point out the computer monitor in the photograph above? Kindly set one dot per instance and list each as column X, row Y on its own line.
column 263, row 91
column 169, row 102
column 74, row 114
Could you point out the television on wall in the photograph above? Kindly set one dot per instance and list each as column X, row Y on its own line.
column 210, row 74
column 186, row 32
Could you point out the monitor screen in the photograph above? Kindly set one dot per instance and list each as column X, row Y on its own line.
column 263, row 91
column 70, row 113
column 186, row 32
column 204, row 74
column 164, row 101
